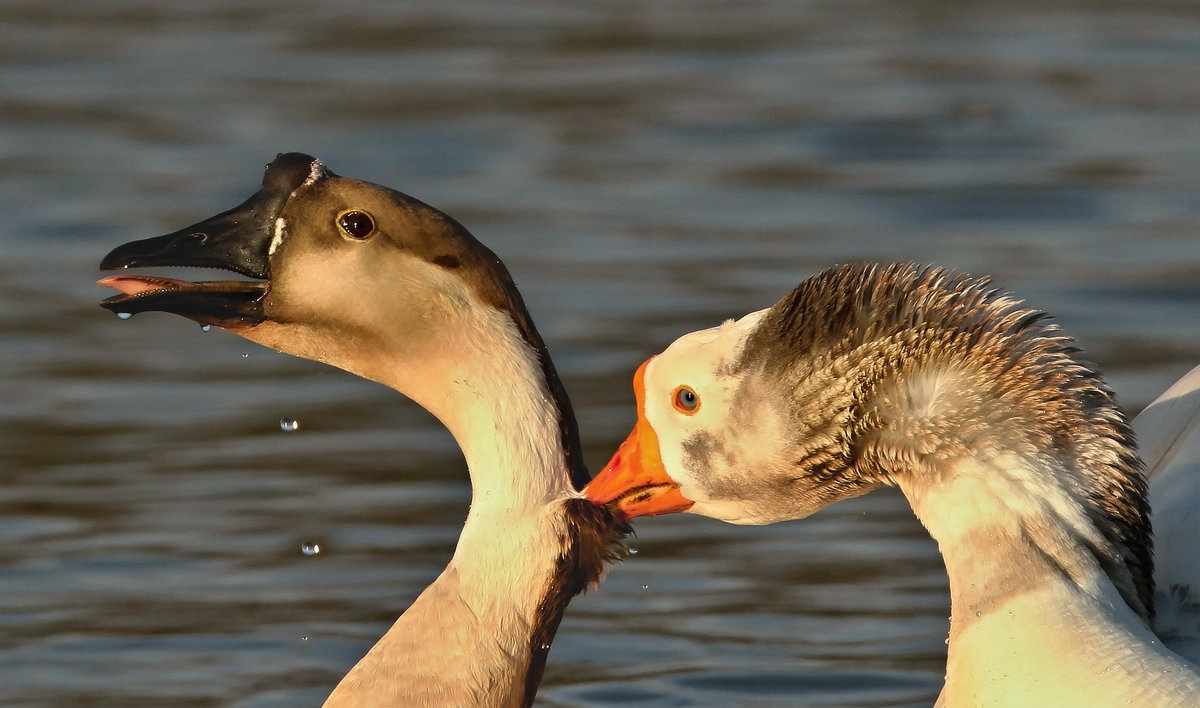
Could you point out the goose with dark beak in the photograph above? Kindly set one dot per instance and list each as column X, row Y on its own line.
column 1012, row 453
column 377, row 283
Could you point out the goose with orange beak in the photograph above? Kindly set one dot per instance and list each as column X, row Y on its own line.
column 1012, row 453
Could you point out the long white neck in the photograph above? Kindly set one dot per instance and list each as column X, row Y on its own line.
column 508, row 428
column 472, row 637
column 473, row 369
column 1034, row 615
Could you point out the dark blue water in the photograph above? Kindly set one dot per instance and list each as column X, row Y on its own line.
column 645, row 169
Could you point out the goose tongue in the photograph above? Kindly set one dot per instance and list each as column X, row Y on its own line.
column 138, row 284
column 231, row 304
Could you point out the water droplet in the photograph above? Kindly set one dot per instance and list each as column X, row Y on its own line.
column 633, row 551
column 545, row 647
column 304, row 638
column 645, row 586
column 310, row 549
column 124, row 315
column 245, row 355
column 979, row 613
column 205, row 328
column 526, row 549
column 288, row 425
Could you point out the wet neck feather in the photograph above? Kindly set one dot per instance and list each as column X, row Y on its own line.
column 1006, row 526
column 1034, row 611
column 950, row 389
column 1046, row 599
column 1036, row 467
column 1012, row 453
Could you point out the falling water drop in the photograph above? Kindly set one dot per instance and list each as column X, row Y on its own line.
column 124, row 315
column 205, row 328
column 310, row 549
column 288, row 425
column 633, row 550
column 245, row 355
column 645, row 586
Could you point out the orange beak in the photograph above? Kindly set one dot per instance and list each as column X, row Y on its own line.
column 634, row 482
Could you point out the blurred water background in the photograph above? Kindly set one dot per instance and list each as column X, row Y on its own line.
column 645, row 169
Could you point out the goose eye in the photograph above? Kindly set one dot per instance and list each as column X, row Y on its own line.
column 356, row 224
column 685, row 400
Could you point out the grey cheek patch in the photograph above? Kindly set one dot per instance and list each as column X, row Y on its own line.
column 701, row 452
column 715, row 468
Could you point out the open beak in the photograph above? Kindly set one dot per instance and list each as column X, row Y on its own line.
column 634, row 482
column 238, row 240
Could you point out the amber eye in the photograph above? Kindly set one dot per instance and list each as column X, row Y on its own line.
column 356, row 224
column 685, row 400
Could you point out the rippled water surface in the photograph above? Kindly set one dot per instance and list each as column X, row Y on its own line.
column 645, row 169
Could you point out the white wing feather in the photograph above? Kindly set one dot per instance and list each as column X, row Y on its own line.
column 1169, row 439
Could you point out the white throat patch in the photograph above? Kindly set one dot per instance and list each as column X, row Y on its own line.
column 280, row 231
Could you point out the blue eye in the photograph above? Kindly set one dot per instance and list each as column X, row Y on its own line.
column 686, row 400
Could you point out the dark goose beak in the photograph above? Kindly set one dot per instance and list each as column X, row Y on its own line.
column 238, row 240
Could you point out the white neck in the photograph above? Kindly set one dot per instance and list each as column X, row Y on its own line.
column 477, row 374
column 466, row 640
column 508, row 428
column 1033, row 613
